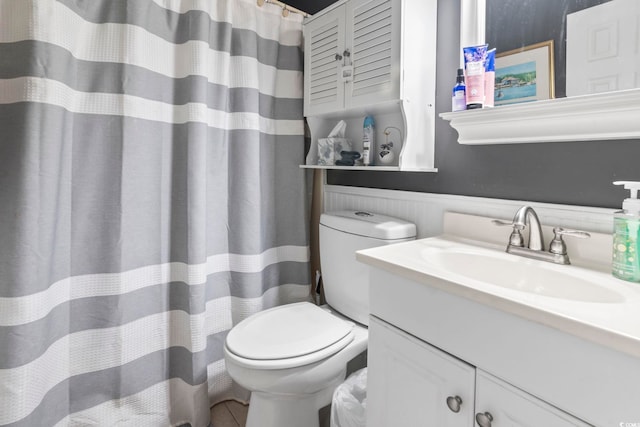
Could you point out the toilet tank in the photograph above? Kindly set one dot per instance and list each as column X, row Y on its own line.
column 345, row 280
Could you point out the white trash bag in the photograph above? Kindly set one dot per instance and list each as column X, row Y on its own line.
column 349, row 405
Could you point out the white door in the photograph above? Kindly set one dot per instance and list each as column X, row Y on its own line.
column 603, row 48
column 373, row 40
column 411, row 383
column 499, row 404
column 324, row 39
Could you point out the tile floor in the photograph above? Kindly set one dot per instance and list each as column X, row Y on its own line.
column 229, row 414
column 233, row 414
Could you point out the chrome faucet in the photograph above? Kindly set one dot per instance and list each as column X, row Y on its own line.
column 526, row 215
column 535, row 247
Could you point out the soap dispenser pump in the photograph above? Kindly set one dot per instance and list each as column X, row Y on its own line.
column 626, row 224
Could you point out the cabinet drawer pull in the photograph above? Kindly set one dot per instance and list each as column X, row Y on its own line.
column 454, row 403
column 484, row 420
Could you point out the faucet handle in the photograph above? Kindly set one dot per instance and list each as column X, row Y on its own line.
column 559, row 231
column 516, row 238
column 502, row 223
column 557, row 245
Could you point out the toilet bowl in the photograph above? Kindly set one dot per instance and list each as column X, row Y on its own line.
column 292, row 357
column 289, row 391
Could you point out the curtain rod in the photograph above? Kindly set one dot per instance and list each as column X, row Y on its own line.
column 285, row 7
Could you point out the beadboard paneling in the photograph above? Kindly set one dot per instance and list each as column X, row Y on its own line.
column 426, row 210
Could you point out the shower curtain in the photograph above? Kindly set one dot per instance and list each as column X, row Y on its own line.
column 150, row 198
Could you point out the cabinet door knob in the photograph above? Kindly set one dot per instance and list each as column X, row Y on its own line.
column 484, row 420
column 338, row 57
column 454, row 403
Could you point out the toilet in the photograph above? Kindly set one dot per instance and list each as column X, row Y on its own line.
column 292, row 357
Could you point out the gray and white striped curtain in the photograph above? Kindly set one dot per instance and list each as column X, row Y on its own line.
column 150, row 199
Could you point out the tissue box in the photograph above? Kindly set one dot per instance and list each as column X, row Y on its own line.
column 329, row 150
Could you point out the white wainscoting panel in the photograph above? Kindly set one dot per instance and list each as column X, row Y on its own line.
column 426, row 210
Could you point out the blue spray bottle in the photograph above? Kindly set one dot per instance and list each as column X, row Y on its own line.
column 368, row 141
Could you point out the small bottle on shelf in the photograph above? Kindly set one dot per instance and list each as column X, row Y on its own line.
column 368, row 141
column 458, row 100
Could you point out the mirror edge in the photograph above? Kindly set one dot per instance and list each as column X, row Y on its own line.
column 472, row 24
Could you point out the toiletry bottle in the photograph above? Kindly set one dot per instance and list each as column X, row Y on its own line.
column 368, row 141
column 489, row 78
column 626, row 224
column 459, row 100
column 474, row 57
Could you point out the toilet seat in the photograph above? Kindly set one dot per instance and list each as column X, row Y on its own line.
column 288, row 336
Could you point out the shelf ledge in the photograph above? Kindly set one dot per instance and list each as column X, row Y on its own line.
column 604, row 116
column 369, row 168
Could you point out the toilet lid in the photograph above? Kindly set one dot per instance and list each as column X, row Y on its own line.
column 286, row 331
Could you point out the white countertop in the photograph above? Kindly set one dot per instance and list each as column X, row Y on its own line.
column 614, row 324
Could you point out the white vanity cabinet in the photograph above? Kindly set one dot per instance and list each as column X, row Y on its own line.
column 557, row 346
column 374, row 57
column 411, row 383
column 538, row 373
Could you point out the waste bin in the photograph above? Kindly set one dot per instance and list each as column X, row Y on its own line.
column 349, row 404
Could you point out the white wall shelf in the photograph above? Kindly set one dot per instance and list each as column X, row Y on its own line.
column 603, row 116
column 368, row 168
column 373, row 57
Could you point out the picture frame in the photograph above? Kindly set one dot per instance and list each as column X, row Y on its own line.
column 525, row 74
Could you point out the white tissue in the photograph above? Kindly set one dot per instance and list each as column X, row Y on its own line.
column 339, row 130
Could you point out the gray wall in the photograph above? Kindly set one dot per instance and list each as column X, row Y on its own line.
column 570, row 173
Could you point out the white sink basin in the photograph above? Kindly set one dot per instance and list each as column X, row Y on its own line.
column 583, row 299
column 520, row 274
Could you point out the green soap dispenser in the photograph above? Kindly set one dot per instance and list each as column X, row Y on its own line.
column 626, row 224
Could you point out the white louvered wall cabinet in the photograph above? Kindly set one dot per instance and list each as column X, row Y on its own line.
column 373, row 57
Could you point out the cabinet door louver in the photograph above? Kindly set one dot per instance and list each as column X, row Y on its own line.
column 324, row 66
column 372, row 46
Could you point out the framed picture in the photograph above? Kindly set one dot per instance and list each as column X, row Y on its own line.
column 525, row 74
